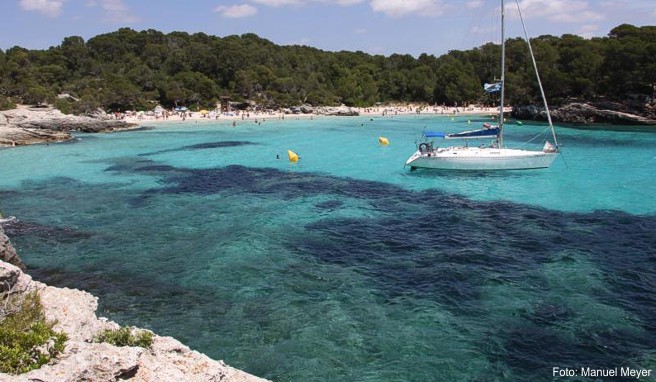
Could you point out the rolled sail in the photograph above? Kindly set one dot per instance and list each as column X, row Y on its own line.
column 433, row 134
column 492, row 132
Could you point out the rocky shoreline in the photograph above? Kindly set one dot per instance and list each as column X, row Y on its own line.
column 83, row 360
column 589, row 112
column 25, row 125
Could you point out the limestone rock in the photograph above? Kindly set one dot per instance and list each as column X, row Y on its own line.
column 166, row 360
column 18, row 136
column 8, row 253
column 8, row 278
column 98, row 114
column 41, row 125
column 342, row 111
column 600, row 113
column 83, row 361
column 307, row 109
column 169, row 360
column 618, row 113
column 75, row 312
column 14, row 279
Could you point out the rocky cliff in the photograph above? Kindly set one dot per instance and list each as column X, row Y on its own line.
column 7, row 251
column 26, row 126
column 617, row 113
column 82, row 360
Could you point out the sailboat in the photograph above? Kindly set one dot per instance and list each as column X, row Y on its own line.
column 486, row 157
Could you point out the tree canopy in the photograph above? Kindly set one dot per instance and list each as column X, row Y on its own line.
column 127, row 70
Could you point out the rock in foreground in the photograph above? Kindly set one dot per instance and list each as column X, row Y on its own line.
column 7, row 251
column 82, row 360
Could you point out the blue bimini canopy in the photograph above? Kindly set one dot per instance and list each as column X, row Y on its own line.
column 492, row 132
column 433, row 134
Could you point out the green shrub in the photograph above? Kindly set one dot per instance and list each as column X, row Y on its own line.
column 27, row 339
column 64, row 105
column 6, row 103
column 125, row 337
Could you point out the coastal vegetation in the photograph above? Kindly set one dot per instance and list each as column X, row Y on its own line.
column 125, row 336
column 136, row 70
column 27, row 338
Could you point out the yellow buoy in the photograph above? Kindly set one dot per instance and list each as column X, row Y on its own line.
column 383, row 141
column 293, row 157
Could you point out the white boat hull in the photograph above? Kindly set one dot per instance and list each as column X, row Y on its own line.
column 480, row 159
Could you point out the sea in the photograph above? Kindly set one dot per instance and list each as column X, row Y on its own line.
column 346, row 266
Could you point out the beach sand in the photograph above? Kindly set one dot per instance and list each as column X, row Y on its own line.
column 238, row 117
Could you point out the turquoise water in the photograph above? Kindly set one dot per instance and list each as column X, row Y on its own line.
column 346, row 266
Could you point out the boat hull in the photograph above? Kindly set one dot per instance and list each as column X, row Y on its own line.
column 480, row 159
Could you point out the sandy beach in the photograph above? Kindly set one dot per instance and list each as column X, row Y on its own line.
column 238, row 117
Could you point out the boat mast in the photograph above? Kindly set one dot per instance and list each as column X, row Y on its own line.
column 537, row 75
column 503, row 73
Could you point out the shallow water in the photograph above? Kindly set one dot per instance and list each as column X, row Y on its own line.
column 346, row 266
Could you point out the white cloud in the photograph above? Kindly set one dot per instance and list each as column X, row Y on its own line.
column 281, row 3
column 563, row 11
column 398, row 8
column 50, row 8
column 236, row 11
column 345, row 2
column 113, row 5
column 588, row 31
column 389, row 7
column 117, row 12
column 277, row 3
column 474, row 4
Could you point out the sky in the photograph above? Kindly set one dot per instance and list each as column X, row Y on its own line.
column 373, row 26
